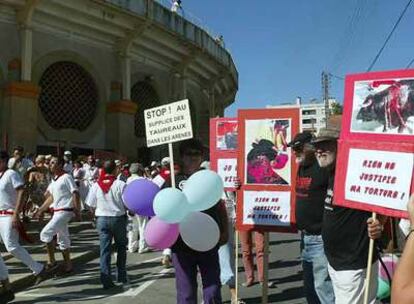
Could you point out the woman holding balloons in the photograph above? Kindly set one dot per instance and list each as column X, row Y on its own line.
column 186, row 260
column 189, row 218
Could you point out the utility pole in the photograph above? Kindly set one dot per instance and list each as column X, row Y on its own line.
column 325, row 90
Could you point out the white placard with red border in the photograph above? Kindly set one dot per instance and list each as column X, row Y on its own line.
column 266, row 201
column 376, row 148
column 223, row 149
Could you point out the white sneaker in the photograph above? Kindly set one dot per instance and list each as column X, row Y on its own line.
column 144, row 250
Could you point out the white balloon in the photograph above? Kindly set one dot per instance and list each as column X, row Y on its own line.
column 199, row 231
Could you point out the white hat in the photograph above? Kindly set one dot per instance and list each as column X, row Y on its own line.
column 165, row 161
column 117, row 162
column 154, row 163
column 205, row 164
column 67, row 153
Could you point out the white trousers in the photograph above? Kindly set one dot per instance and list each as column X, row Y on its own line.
column 58, row 225
column 349, row 285
column 10, row 238
column 137, row 232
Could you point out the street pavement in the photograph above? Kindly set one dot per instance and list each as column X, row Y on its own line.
column 151, row 283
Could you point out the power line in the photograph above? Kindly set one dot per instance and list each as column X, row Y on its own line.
column 335, row 76
column 409, row 65
column 389, row 36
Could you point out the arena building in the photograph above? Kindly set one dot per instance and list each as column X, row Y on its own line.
column 78, row 74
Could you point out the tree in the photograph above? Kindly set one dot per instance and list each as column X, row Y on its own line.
column 336, row 108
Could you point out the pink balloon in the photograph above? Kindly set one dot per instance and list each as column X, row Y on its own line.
column 391, row 264
column 159, row 234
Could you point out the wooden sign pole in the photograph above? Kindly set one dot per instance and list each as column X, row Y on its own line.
column 171, row 153
column 236, row 268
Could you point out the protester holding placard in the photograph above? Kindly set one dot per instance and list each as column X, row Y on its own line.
column 403, row 282
column 344, row 234
column 186, row 261
column 311, row 186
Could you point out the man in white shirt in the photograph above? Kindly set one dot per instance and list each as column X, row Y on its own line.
column 176, row 5
column 105, row 198
column 11, row 191
column 91, row 171
column 19, row 163
column 64, row 195
column 68, row 165
column 138, row 222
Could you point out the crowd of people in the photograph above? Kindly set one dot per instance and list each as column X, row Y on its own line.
column 334, row 239
column 89, row 189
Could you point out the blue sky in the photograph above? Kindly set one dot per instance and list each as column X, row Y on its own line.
column 281, row 47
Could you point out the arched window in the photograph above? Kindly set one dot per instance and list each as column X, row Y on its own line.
column 68, row 97
column 146, row 97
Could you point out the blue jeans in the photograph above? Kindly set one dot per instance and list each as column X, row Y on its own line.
column 112, row 227
column 227, row 259
column 316, row 280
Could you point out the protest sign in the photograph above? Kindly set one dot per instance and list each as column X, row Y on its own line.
column 266, row 169
column 376, row 150
column 375, row 176
column 223, row 149
column 266, row 208
column 168, row 123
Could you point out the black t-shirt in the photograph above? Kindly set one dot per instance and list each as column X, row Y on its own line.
column 179, row 245
column 311, row 186
column 345, row 234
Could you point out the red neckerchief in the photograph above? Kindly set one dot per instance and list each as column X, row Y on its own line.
column 105, row 182
column 56, row 177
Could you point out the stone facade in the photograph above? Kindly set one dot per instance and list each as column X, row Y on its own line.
column 117, row 46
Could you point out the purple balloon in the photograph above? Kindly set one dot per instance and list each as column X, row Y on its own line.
column 139, row 196
column 159, row 234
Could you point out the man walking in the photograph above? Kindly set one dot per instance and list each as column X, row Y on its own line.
column 344, row 234
column 311, row 186
column 138, row 222
column 68, row 165
column 63, row 195
column 11, row 192
column 105, row 198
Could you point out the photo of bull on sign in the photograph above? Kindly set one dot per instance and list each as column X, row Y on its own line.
column 384, row 106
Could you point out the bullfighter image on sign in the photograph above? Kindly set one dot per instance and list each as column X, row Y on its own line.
column 267, row 156
column 384, row 106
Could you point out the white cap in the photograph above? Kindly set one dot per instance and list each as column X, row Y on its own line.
column 205, row 165
column 165, row 161
column 117, row 162
column 154, row 163
column 67, row 153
